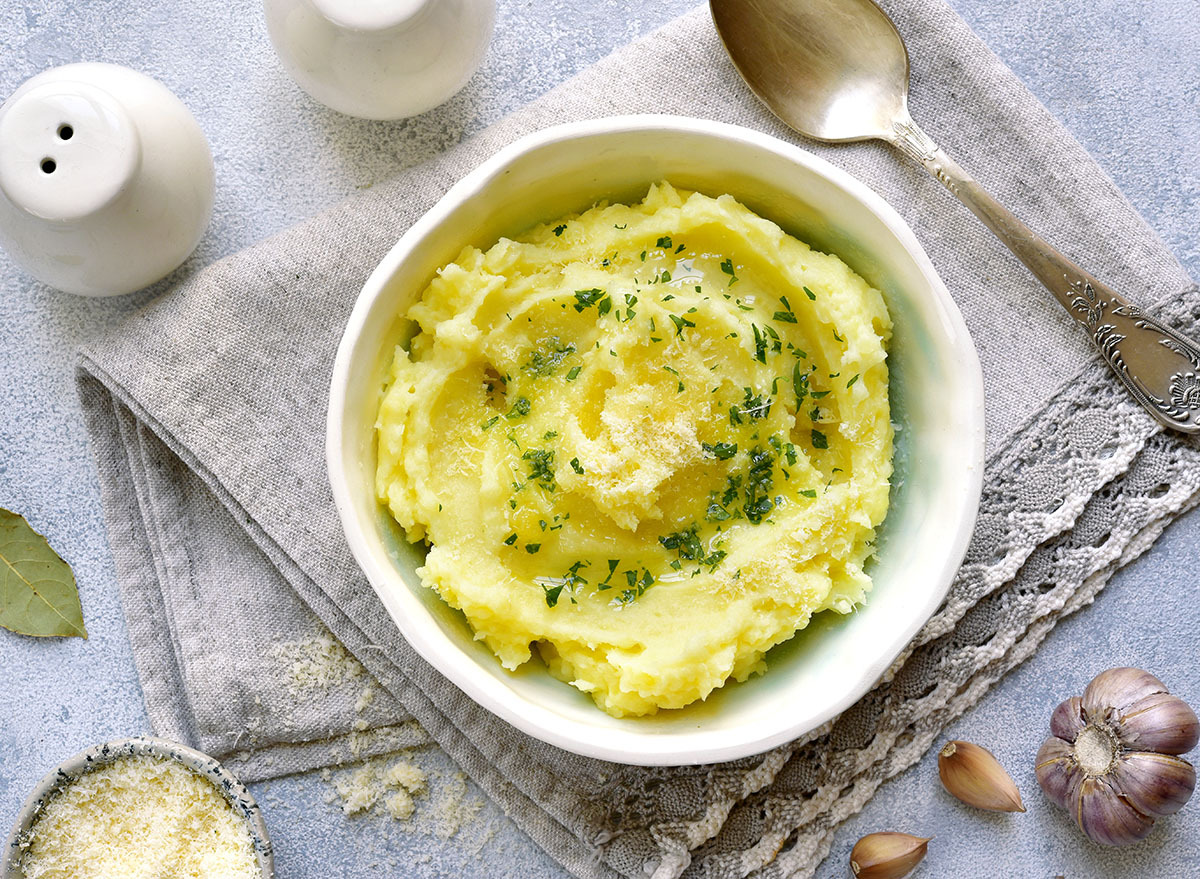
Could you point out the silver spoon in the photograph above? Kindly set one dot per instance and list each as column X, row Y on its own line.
column 837, row 70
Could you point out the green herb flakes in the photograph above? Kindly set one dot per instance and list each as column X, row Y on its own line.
column 541, row 467
column 727, row 268
column 721, row 451
column 680, row 323
column 759, row 482
column 548, row 356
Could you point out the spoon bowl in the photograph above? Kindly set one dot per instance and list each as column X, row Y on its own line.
column 850, row 83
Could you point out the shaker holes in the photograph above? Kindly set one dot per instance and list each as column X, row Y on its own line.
column 65, row 132
column 48, row 166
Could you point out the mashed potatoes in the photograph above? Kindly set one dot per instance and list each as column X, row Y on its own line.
column 651, row 440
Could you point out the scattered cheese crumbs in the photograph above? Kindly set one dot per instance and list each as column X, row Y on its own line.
column 319, row 662
column 406, row 775
column 139, row 818
column 365, row 698
column 453, row 810
column 399, row 805
column 361, row 788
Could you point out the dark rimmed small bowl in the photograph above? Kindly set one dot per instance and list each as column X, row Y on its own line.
column 84, row 762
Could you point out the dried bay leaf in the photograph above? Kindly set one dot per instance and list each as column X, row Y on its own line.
column 38, row 595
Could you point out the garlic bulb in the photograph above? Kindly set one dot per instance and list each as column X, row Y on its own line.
column 1111, row 760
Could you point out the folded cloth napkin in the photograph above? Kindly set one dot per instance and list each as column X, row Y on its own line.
column 206, row 411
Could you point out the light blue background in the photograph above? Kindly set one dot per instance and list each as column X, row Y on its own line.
column 1124, row 75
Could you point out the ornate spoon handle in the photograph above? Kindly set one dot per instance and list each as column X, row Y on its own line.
column 1159, row 366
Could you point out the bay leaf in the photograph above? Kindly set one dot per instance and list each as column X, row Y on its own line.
column 38, row 595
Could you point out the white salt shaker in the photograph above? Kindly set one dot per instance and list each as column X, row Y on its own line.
column 106, row 180
column 380, row 59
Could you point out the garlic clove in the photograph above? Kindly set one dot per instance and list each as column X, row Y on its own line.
column 1105, row 816
column 1159, row 722
column 1117, row 689
column 1154, row 784
column 1067, row 719
column 1055, row 767
column 887, row 855
column 975, row 776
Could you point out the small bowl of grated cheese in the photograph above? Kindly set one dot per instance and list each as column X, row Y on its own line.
column 139, row 807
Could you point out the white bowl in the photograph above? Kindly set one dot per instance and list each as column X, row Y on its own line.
column 937, row 403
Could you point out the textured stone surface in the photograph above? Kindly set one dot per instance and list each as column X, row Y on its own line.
column 1124, row 75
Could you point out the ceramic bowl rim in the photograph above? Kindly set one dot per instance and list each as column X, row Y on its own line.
column 89, row 759
column 657, row 751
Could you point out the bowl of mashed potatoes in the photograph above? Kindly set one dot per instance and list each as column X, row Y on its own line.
column 658, row 437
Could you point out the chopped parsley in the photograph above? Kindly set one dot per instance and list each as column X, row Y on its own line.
column 850, row 383
column 549, row 356
column 664, row 242
column 576, row 466
column 531, row 548
column 558, row 230
column 519, row 409
column 594, row 296
column 759, row 481
column 511, row 539
column 573, row 373
column 554, row 586
column 680, row 323
column 799, row 384
column 809, row 293
column 786, row 316
column 541, row 467
column 760, row 344
column 756, row 406
column 637, row 586
column 490, row 422
column 689, row 547
column 721, row 451
column 819, row 440
column 727, row 268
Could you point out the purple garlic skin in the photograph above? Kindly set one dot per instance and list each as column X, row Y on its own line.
column 1112, row 756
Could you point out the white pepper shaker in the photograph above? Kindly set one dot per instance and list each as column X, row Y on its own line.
column 106, row 180
column 380, row 59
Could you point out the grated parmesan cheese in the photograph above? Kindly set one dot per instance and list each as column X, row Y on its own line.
column 396, row 784
column 139, row 818
column 317, row 663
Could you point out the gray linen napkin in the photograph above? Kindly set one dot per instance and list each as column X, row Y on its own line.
column 206, row 411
